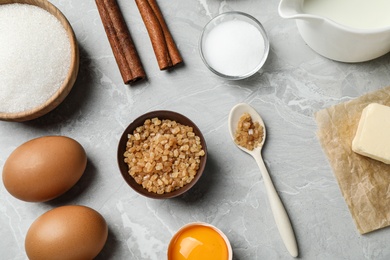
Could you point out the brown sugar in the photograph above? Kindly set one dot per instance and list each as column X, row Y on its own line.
column 163, row 155
column 248, row 134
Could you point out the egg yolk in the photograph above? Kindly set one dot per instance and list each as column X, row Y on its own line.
column 198, row 242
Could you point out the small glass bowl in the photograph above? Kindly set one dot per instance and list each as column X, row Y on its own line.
column 233, row 16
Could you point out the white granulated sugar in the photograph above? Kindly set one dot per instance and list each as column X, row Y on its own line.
column 234, row 47
column 34, row 57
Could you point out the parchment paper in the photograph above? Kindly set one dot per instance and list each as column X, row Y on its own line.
column 364, row 182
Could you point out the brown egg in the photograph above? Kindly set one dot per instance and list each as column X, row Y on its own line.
column 44, row 168
column 67, row 232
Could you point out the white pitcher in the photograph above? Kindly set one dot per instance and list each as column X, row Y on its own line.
column 334, row 40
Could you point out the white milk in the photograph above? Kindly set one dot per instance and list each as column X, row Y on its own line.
column 362, row 14
column 234, row 47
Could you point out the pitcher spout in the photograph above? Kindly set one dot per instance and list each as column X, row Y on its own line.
column 293, row 9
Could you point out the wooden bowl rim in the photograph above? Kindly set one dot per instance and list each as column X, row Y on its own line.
column 70, row 79
column 161, row 114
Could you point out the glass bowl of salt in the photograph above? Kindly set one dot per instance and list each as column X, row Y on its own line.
column 234, row 45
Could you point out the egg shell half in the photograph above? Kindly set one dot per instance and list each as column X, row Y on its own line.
column 199, row 240
column 44, row 168
column 67, row 232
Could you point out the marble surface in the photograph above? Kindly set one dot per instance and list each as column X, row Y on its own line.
column 294, row 83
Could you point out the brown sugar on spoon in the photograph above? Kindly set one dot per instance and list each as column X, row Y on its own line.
column 164, row 47
column 248, row 134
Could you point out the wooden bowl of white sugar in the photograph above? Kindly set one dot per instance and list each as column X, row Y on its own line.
column 39, row 59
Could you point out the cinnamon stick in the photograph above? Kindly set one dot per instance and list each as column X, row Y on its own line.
column 164, row 47
column 122, row 45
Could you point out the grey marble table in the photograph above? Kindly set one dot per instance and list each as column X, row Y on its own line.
column 294, row 83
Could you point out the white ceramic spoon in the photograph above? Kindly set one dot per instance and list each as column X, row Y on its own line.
column 280, row 215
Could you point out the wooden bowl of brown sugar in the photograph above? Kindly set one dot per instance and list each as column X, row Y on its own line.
column 39, row 61
column 162, row 154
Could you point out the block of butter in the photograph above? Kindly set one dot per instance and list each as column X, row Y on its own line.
column 372, row 138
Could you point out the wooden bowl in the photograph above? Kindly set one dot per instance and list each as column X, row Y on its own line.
column 70, row 79
column 123, row 167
